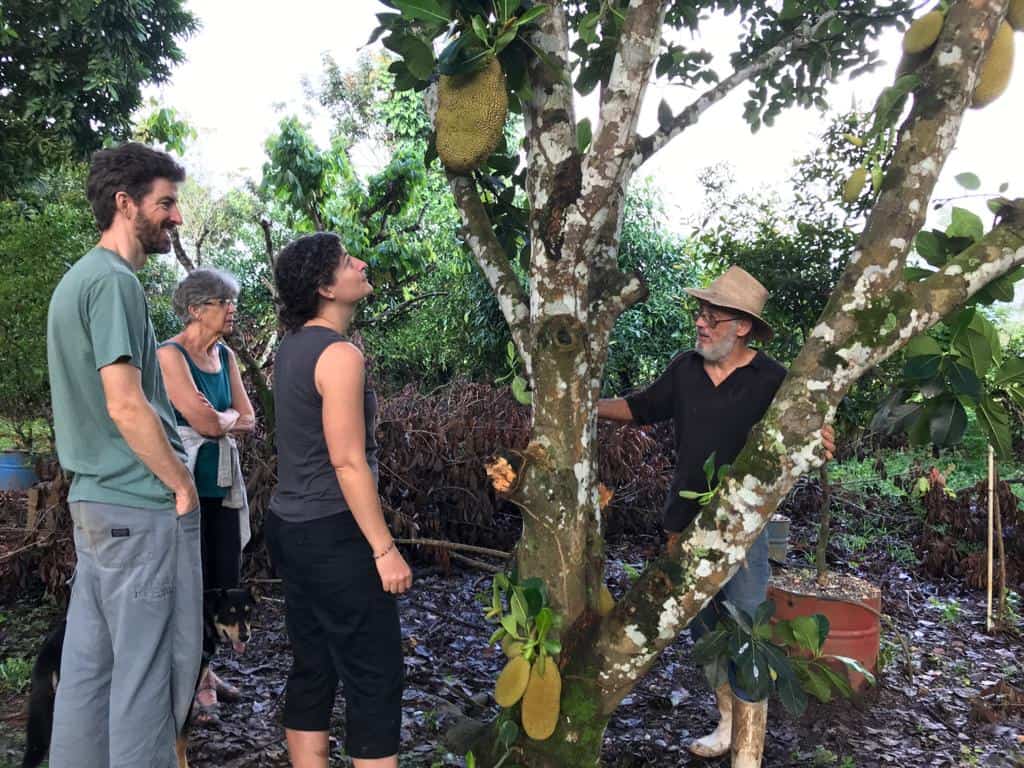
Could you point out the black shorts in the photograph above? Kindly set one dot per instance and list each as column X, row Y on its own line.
column 342, row 626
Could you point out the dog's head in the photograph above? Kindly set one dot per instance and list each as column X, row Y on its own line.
column 230, row 611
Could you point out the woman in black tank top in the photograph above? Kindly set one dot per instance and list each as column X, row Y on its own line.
column 326, row 532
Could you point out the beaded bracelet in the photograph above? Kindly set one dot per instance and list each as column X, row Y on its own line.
column 387, row 549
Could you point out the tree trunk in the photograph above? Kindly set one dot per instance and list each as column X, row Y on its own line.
column 562, row 329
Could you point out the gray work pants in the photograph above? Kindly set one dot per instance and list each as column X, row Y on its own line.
column 134, row 638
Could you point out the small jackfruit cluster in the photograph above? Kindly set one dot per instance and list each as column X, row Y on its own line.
column 923, row 32
column 855, row 184
column 542, row 700
column 470, row 120
column 512, row 682
column 996, row 69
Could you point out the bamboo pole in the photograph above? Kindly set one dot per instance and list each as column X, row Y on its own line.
column 991, row 505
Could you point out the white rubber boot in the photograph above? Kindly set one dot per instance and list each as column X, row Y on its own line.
column 749, row 719
column 716, row 743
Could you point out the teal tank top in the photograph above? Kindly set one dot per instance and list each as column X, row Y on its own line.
column 216, row 388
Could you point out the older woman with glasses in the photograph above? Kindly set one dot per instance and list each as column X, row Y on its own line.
column 211, row 406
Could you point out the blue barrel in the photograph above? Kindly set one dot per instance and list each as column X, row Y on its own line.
column 16, row 471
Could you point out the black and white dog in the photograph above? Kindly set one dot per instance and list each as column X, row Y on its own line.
column 227, row 618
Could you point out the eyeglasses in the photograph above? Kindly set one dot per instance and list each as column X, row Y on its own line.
column 220, row 302
column 710, row 320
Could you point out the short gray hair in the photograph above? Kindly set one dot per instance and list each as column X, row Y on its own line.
column 201, row 285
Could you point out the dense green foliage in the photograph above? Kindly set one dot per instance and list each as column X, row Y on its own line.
column 71, row 75
column 41, row 235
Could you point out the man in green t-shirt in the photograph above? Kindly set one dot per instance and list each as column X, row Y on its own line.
column 134, row 624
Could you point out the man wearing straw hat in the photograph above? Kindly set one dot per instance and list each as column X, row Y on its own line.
column 715, row 394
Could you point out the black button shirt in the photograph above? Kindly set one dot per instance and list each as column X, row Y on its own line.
column 707, row 419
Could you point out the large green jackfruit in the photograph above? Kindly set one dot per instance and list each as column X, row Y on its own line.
column 542, row 700
column 923, row 32
column 996, row 69
column 471, row 112
column 512, row 682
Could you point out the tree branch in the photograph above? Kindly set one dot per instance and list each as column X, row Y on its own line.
column 269, row 251
column 493, row 261
column 179, row 251
column 607, row 165
column 405, row 306
column 800, row 37
column 872, row 313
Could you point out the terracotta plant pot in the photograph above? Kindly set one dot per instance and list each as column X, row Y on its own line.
column 851, row 605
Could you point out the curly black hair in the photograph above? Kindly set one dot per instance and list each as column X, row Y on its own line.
column 129, row 168
column 302, row 267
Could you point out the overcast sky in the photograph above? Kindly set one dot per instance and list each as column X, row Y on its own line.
column 245, row 68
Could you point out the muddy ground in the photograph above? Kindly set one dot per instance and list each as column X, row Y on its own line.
column 938, row 659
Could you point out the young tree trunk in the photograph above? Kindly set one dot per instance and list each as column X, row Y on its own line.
column 562, row 329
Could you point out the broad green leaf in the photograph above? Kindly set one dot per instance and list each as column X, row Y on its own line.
column 996, row 421
column 965, row 224
column 817, row 684
column 710, row 647
column 531, row 15
column 974, row 348
column 968, row 181
column 504, row 39
column 922, row 367
column 480, row 29
column 470, row 760
column 963, row 380
column 791, row 694
column 533, row 599
column 948, row 420
column 544, row 621
column 509, row 623
column 823, row 627
column 516, row 604
column 856, row 666
column 520, row 392
column 791, row 9
column 1010, row 372
column 588, row 27
column 496, row 636
column 930, row 248
column 584, row 135
column 665, row 115
column 764, row 612
column 508, row 732
column 838, row 682
column 923, row 345
column 425, row 10
column 709, row 468
column 805, row 630
column 741, row 617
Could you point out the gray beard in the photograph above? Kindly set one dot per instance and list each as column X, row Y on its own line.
column 717, row 351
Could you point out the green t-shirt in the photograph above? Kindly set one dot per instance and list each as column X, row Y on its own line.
column 98, row 316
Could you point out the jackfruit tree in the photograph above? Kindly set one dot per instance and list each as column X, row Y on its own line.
column 561, row 289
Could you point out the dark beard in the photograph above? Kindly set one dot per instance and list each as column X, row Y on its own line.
column 153, row 237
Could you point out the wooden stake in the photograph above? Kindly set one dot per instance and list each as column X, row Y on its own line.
column 991, row 503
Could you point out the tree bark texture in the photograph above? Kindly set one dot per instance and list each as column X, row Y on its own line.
column 576, row 293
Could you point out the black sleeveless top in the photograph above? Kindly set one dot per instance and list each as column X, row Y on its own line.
column 307, row 486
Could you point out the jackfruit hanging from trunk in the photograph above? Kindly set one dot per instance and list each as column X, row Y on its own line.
column 470, row 120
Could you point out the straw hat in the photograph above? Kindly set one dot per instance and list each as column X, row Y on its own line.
column 738, row 289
